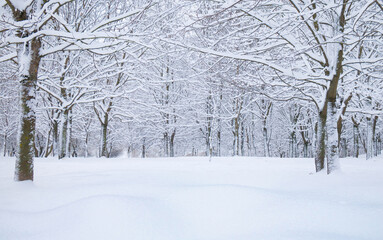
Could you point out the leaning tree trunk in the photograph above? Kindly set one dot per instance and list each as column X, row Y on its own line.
column 29, row 61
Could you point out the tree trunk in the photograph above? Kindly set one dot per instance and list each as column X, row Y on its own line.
column 143, row 154
column 219, row 122
column 208, row 136
column 219, row 139
column 374, row 138
column 86, row 144
column 29, row 61
column 343, row 147
column 355, row 129
column 104, row 136
column 48, row 145
column 320, row 143
column 306, row 149
column 5, row 145
column 171, row 143
column 69, row 133
column 242, row 140
column 55, row 136
column 332, row 138
column 293, row 145
column 166, row 144
column 266, row 152
column 356, row 141
column 236, row 137
column 380, row 147
column 63, row 135
column 371, row 126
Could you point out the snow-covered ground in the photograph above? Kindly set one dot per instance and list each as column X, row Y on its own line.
column 192, row 198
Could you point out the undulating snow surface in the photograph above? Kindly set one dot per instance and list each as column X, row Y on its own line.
column 191, row 198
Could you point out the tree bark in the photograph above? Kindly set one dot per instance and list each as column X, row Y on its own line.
column 320, row 144
column 166, row 144
column 104, row 136
column 5, row 145
column 143, row 154
column 171, row 143
column 332, row 138
column 29, row 62
column 63, row 136
column 266, row 152
column 371, row 126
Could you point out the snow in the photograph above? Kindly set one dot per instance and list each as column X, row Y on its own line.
column 21, row 4
column 192, row 198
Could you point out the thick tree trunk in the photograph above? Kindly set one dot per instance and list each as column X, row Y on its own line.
column 320, row 143
column 332, row 138
column 29, row 61
column 24, row 163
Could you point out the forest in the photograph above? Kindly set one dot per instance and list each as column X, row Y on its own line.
column 151, row 78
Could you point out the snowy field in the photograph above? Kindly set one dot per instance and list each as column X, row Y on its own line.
column 192, row 199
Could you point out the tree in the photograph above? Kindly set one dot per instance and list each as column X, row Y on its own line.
column 29, row 26
column 308, row 46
